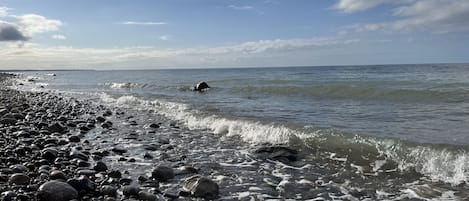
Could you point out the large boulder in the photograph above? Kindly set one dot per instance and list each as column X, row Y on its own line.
column 202, row 187
column 201, row 86
column 56, row 191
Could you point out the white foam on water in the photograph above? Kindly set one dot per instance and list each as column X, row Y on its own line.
column 438, row 164
column 249, row 131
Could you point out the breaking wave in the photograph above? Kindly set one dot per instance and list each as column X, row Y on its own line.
column 447, row 163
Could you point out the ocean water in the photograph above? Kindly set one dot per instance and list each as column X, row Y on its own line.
column 406, row 118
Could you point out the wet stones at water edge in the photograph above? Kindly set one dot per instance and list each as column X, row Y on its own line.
column 203, row 187
column 279, row 153
column 201, row 86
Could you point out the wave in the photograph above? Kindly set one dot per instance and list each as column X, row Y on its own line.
column 132, row 85
column 445, row 163
column 356, row 92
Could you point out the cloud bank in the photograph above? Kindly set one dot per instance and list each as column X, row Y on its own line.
column 437, row 16
column 242, row 54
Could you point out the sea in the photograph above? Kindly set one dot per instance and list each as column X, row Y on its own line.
column 404, row 128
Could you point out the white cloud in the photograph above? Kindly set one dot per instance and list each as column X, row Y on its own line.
column 31, row 24
column 243, row 54
column 4, row 11
column 165, row 37
column 59, row 37
column 241, row 7
column 437, row 16
column 143, row 23
column 349, row 6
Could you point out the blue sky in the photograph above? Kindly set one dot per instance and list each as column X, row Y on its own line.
column 125, row 34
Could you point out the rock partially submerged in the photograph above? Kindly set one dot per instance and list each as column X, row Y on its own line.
column 280, row 153
column 201, row 86
column 202, row 187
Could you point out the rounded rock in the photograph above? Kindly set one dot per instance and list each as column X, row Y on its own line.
column 163, row 173
column 56, row 191
column 201, row 187
column 19, row 179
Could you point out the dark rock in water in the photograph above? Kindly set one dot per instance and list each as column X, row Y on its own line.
column 281, row 153
column 201, row 187
column 57, row 174
column 56, row 191
column 100, row 166
column 201, row 86
column 153, row 125
column 109, row 190
column 82, row 184
column 130, row 190
column 146, row 196
column 186, row 170
column 163, row 173
column 151, row 147
column 119, row 150
column 8, row 121
column 19, row 179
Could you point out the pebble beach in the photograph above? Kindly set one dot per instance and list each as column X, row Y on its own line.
column 58, row 148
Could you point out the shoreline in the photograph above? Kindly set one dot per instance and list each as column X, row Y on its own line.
column 87, row 151
column 106, row 151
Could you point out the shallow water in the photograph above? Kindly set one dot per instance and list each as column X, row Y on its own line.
column 396, row 131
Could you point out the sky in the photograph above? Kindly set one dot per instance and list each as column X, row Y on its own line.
column 152, row 34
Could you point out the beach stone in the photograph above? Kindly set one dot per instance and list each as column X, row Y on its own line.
column 151, row 147
column 82, row 184
column 186, row 170
column 146, row 196
column 280, row 153
column 202, row 187
column 78, row 154
column 19, row 179
column 18, row 168
column 163, row 173
column 56, row 191
column 8, row 121
column 57, row 174
column 153, row 125
column 100, row 166
column 119, row 150
column 8, row 196
column 108, row 190
column 74, row 138
column 56, row 127
column 100, row 119
column 130, row 190
column 115, row 174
